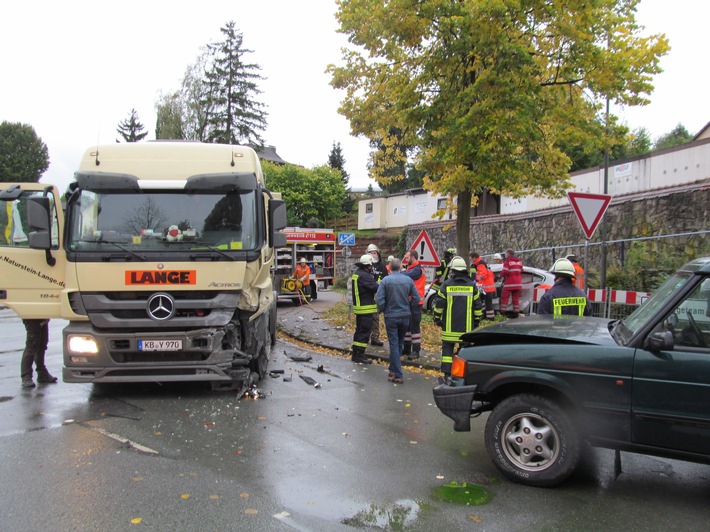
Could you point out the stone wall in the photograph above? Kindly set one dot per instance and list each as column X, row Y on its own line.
column 533, row 234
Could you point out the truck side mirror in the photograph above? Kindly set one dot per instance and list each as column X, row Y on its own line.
column 39, row 220
column 660, row 341
column 277, row 221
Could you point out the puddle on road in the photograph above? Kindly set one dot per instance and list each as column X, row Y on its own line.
column 465, row 493
column 399, row 516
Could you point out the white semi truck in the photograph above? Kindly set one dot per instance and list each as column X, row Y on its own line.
column 161, row 260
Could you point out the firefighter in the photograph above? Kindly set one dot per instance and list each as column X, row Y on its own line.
column 442, row 271
column 579, row 276
column 364, row 288
column 457, row 311
column 303, row 274
column 486, row 281
column 563, row 298
column 379, row 272
column 413, row 337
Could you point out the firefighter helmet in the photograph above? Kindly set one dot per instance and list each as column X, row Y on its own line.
column 497, row 256
column 373, row 247
column 451, row 251
column 366, row 260
column 563, row 267
column 458, row 264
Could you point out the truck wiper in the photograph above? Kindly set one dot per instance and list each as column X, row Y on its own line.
column 119, row 246
column 212, row 248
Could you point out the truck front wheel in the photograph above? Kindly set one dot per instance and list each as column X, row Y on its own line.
column 532, row 440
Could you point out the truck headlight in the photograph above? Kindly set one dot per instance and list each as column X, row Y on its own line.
column 82, row 344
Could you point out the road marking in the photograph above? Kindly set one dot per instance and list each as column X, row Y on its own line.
column 137, row 446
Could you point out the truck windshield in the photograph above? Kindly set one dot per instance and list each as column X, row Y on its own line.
column 626, row 329
column 160, row 220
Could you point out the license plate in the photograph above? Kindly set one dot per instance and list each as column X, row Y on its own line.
column 159, row 345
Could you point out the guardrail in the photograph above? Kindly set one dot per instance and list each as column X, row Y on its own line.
column 606, row 303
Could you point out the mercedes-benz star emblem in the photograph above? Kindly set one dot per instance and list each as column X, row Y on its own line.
column 161, row 307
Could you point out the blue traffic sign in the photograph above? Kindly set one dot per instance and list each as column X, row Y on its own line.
column 346, row 239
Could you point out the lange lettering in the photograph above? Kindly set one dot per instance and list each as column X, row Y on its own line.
column 158, row 277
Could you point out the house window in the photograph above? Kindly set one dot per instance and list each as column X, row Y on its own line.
column 441, row 203
column 368, row 207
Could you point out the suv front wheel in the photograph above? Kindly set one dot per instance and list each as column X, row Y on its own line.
column 532, row 440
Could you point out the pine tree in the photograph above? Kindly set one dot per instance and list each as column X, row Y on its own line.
column 235, row 115
column 131, row 129
column 337, row 160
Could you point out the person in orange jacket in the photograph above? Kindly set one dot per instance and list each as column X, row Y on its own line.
column 486, row 280
column 303, row 274
column 579, row 276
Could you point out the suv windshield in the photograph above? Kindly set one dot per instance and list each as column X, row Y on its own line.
column 160, row 220
column 626, row 329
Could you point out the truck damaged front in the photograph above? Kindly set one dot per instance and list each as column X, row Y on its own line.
column 168, row 250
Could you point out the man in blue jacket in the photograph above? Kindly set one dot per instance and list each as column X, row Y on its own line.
column 395, row 297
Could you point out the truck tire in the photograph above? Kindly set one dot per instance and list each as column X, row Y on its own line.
column 260, row 364
column 532, row 440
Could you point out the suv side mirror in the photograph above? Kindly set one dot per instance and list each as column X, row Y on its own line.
column 660, row 341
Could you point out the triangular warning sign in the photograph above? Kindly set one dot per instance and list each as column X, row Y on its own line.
column 590, row 209
column 427, row 254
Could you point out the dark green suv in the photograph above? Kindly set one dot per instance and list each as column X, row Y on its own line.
column 641, row 384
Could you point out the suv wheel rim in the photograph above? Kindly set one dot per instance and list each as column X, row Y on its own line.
column 530, row 442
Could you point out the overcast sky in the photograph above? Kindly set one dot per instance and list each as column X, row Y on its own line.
column 74, row 69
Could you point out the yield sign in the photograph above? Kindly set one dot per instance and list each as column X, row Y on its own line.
column 589, row 208
column 427, row 255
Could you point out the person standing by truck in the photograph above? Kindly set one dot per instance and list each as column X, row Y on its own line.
column 364, row 288
column 379, row 272
column 35, row 349
column 396, row 297
column 486, row 280
column 303, row 274
column 413, row 338
column 563, row 298
column 458, row 310
column 512, row 278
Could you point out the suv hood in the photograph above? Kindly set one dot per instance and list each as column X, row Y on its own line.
column 544, row 330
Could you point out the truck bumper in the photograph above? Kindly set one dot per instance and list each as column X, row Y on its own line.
column 202, row 357
column 456, row 402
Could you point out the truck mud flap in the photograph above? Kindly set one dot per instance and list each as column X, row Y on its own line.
column 455, row 402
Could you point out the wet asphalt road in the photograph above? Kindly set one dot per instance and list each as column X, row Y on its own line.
column 357, row 451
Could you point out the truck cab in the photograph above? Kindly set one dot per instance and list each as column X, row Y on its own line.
column 160, row 259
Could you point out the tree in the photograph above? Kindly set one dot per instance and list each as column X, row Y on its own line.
column 316, row 193
column 146, row 215
column 23, row 155
column 235, row 117
column 678, row 135
column 184, row 113
column 336, row 160
column 131, row 129
column 639, row 142
column 483, row 89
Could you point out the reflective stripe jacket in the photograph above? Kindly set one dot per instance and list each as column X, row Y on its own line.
column 416, row 274
column 564, row 299
column 511, row 274
column 484, row 275
column 458, row 307
column 364, row 288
